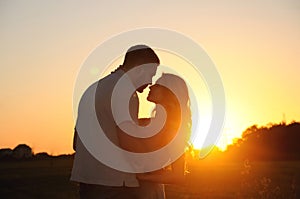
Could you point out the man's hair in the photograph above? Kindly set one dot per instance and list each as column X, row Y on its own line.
column 138, row 55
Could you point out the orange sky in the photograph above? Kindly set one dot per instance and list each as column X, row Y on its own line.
column 254, row 46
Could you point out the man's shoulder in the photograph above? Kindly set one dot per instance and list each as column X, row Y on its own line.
column 112, row 77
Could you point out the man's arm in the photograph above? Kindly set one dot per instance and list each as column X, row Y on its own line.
column 141, row 145
column 175, row 175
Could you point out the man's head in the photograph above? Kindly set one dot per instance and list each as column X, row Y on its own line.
column 141, row 63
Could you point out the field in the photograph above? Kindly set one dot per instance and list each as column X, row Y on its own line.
column 50, row 179
column 241, row 180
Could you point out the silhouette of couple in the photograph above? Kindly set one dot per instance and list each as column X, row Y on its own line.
column 170, row 126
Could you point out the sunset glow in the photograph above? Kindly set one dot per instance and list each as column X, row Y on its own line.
column 254, row 46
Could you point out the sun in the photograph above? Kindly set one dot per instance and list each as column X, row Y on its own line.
column 226, row 138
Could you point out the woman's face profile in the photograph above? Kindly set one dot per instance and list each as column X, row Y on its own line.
column 156, row 93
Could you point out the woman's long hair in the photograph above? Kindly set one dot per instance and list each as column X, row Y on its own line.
column 178, row 87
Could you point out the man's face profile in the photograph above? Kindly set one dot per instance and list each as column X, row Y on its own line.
column 142, row 75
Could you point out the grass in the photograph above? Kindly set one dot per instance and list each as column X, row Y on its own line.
column 37, row 179
column 50, row 179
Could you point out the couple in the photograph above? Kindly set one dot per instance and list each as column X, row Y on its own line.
column 96, row 179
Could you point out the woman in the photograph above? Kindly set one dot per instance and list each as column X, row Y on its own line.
column 169, row 91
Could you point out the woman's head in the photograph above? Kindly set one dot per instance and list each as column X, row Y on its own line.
column 172, row 93
column 169, row 89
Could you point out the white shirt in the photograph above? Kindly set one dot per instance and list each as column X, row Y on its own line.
column 86, row 168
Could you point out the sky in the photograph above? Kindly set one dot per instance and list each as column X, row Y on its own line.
column 255, row 46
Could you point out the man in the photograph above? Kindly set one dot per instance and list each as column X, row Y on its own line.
column 95, row 178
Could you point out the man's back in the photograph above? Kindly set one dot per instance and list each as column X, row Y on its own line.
column 86, row 168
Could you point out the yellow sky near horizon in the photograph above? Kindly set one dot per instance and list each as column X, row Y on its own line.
column 254, row 45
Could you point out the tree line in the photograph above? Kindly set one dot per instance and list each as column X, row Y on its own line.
column 273, row 142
